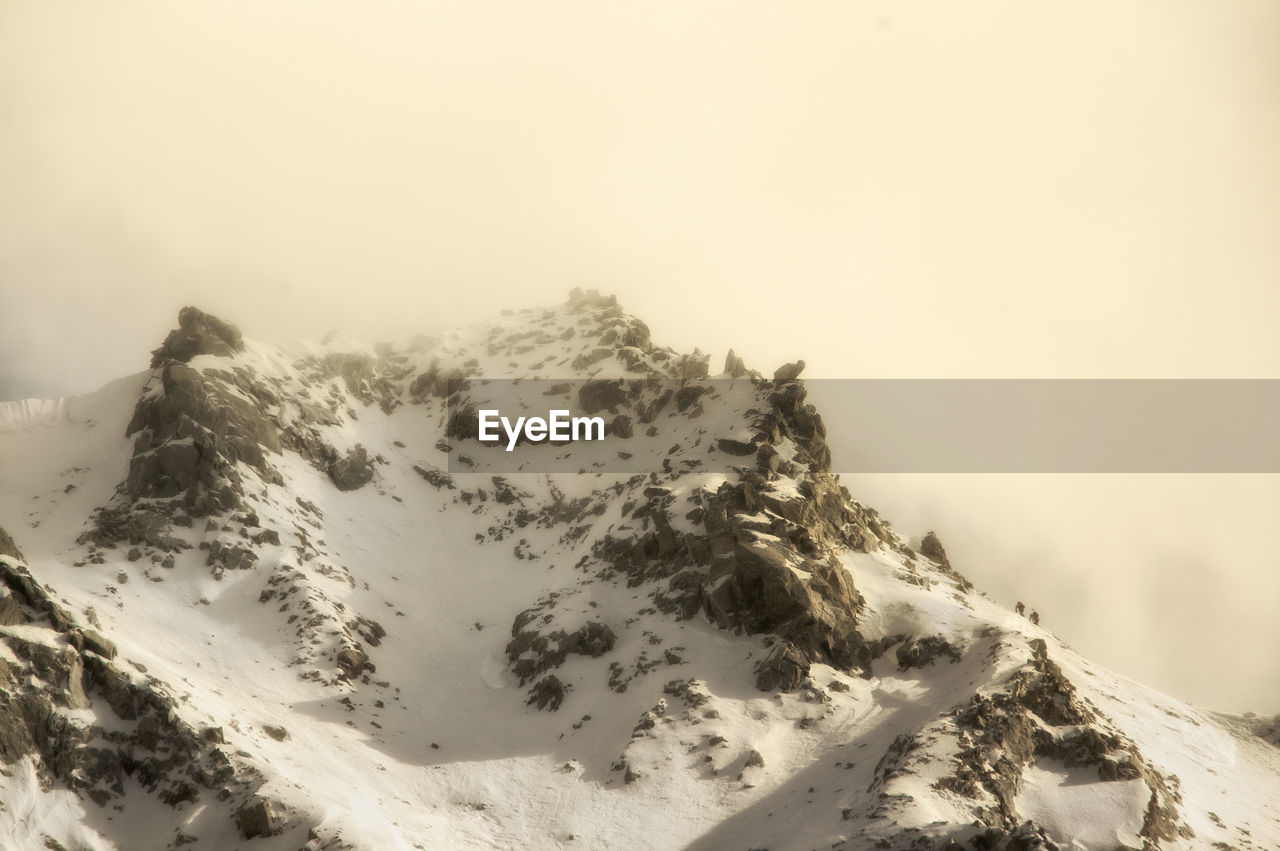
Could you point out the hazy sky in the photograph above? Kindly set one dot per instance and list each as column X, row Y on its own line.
column 992, row 189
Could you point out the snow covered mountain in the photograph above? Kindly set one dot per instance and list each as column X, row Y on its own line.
column 256, row 597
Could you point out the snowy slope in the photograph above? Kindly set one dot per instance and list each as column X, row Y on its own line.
column 262, row 604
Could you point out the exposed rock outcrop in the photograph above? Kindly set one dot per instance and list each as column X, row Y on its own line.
column 532, row 652
column 198, row 333
column 760, row 560
column 63, row 667
column 931, row 548
column 922, row 652
column 1039, row 715
column 788, row 371
column 596, row 396
column 8, row 547
column 734, row 365
column 191, row 435
column 353, row 470
column 256, row 818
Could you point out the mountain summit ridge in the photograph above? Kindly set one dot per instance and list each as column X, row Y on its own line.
column 265, row 605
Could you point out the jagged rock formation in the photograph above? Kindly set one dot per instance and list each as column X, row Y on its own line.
column 753, row 554
column 191, row 436
column 197, row 333
column 1040, row 715
column 302, row 611
column 8, row 547
column 66, row 666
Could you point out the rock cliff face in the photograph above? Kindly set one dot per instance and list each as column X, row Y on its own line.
column 197, row 333
column 755, row 553
column 8, row 547
column 57, row 666
column 190, row 437
column 280, row 598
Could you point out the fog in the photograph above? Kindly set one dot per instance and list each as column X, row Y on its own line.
column 993, row 189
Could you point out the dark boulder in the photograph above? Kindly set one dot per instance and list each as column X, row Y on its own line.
column 95, row 642
column 352, row 471
column 689, row 394
column 548, row 693
column 352, row 661
column 735, row 447
column 256, row 818
column 784, row 669
column 593, row 639
column 621, row 426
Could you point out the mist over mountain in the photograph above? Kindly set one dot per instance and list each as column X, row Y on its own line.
column 257, row 596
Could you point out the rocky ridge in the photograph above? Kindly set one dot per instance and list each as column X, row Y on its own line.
column 740, row 528
column 58, row 664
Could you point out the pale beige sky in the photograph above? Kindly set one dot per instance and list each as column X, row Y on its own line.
column 931, row 189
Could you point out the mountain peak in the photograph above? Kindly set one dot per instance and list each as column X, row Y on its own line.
column 198, row 333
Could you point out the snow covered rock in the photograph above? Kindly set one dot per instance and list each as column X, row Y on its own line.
column 198, row 333
column 353, row 470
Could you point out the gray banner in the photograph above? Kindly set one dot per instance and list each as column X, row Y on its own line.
column 879, row 426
